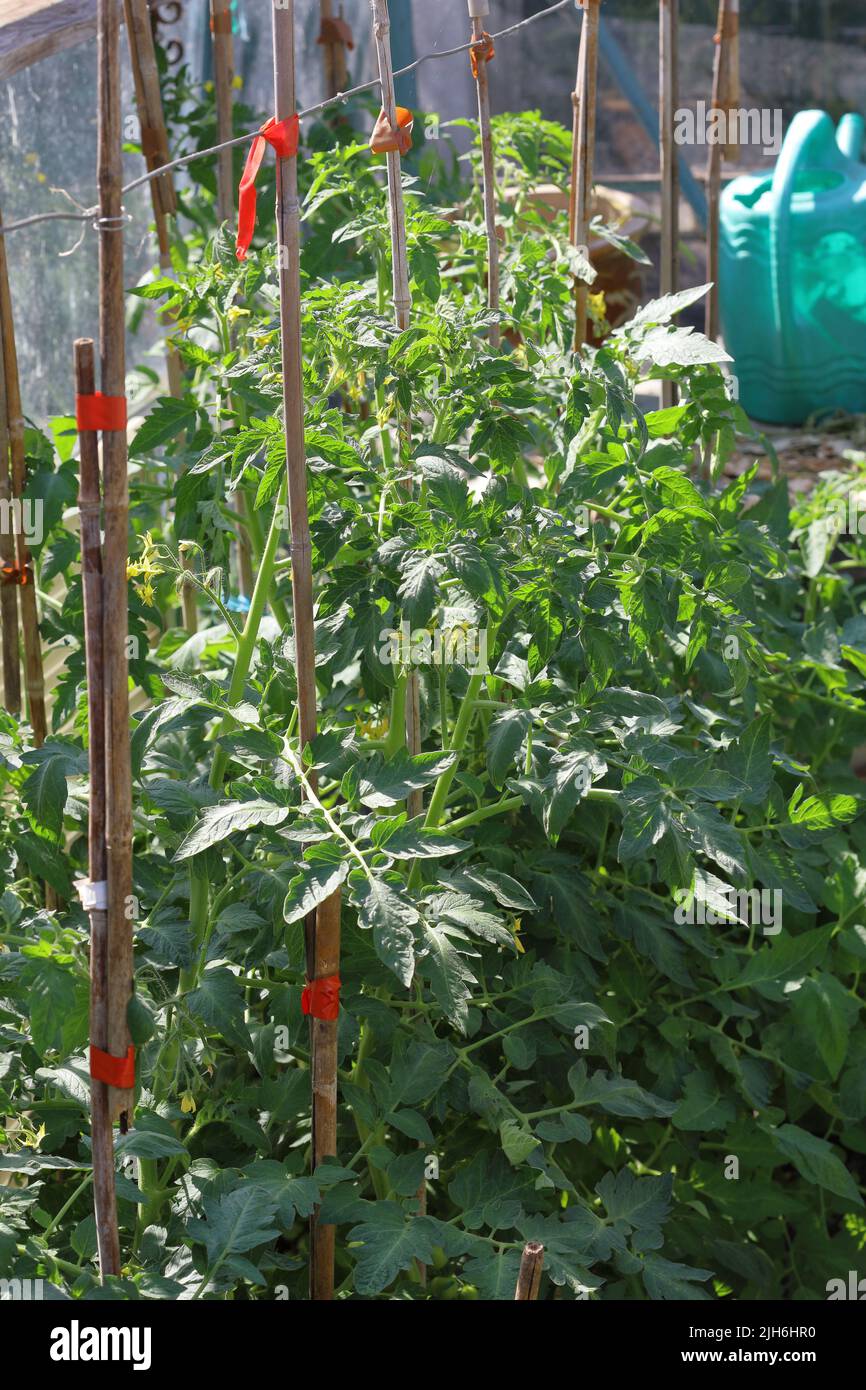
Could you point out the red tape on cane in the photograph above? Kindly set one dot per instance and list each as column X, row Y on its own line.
column 321, row 998
column 98, row 412
column 283, row 137
column 114, row 1071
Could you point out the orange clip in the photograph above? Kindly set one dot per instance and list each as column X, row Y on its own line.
column 14, row 574
column 336, row 31
column 483, row 47
column 385, row 139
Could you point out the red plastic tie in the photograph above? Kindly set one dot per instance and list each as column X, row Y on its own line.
column 282, row 136
column 114, row 1071
column 98, row 412
column 321, row 998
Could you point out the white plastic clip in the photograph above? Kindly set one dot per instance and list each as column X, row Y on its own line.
column 479, row 9
column 94, row 896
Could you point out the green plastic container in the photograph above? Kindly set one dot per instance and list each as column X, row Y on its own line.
column 792, row 275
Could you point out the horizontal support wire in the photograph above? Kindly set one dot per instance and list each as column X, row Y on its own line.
column 88, row 214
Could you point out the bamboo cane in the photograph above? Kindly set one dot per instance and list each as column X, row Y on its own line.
column 223, row 67
column 529, row 1277
column 728, row 25
column 583, row 152
column 187, row 589
column 732, row 77
column 118, row 801
column 333, row 51
column 402, row 308
column 8, row 592
column 105, row 1206
column 322, row 929
column 478, row 10
column 33, row 678
column 670, row 174
column 154, row 146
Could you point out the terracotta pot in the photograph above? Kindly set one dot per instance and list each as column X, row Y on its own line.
column 619, row 277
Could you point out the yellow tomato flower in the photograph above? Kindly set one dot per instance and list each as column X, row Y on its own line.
column 187, row 1103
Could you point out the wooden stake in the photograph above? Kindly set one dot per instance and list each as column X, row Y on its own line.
column 223, row 67
column 583, row 152
column 529, row 1278
column 8, row 592
column 732, row 76
column 89, row 505
column 728, row 29
column 112, row 332
column 478, row 10
column 187, row 589
column 670, row 173
column 402, row 309
column 333, row 51
column 224, row 73
column 322, row 929
column 154, row 145
column 33, row 678
column 396, row 207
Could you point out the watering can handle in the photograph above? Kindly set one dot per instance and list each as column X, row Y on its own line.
column 811, row 140
column 850, row 135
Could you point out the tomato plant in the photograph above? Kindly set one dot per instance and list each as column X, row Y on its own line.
column 604, row 992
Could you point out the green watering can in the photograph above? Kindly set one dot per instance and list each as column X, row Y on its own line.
column 792, row 275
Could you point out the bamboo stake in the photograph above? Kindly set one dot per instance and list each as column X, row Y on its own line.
column 322, row 929
column 154, row 146
column 732, row 79
column 478, row 10
column 105, row 1206
column 728, row 28
column 402, row 308
column 187, row 589
column 670, row 173
column 223, row 67
column 396, row 207
column 8, row 592
column 33, row 679
column 529, row 1278
column 583, row 152
column 333, row 49
column 118, row 801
